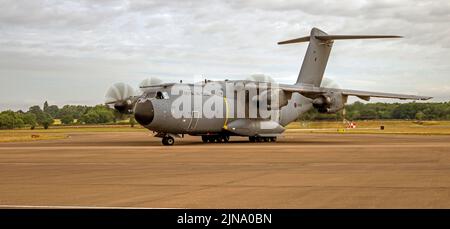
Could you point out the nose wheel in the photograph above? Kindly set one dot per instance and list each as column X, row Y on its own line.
column 168, row 140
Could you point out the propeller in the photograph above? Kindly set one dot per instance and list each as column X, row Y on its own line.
column 149, row 82
column 261, row 78
column 329, row 83
column 120, row 94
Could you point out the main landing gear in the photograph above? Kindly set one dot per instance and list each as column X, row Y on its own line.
column 262, row 139
column 215, row 138
column 226, row 138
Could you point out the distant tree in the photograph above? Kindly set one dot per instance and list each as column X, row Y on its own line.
column 35, row 110
column 45, row 106
column 75, row 111
column 404, row 111
column 420, row 115
column 42, row 118
column 6, row 121
column 52, row 110
column 91, row 117
column 29, row 119
column 98, row 114
column 46, row 120
column 366, row 113
column 67, row 119
column 10, row 120
column 105, row 116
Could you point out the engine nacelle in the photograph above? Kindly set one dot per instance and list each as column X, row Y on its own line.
column 330, row 103
column 124, row 107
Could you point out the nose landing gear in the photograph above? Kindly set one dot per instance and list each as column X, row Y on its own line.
column 168, row 140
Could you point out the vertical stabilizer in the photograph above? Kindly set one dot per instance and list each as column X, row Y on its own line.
column 316, row 58
column 315, row 61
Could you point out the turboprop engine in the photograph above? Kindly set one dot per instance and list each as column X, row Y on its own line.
column 329, row 102
column 120, row 95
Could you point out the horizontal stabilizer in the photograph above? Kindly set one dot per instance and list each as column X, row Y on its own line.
column 348, row 37
column 297, row 40
column 336, row 37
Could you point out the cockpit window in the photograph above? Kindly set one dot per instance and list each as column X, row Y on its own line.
column 159, row 95
column 165, row 95
column 162, row 95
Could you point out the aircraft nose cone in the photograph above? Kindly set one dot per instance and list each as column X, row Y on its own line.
column 143, row 112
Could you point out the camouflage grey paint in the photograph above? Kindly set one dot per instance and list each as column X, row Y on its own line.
column 315, row 61
column 163, row 120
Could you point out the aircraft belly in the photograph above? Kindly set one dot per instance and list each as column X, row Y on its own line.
column 253, row 127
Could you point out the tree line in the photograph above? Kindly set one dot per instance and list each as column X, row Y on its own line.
column 102, row 114
column 371, row 111
column 68, row 114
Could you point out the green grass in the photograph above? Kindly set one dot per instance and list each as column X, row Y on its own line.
column 363, row 127
column 23, row 137
column 61, row 132
column 84, row 128
column 373, row 127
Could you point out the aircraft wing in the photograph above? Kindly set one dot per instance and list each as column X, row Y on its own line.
column 368, row 94
column 313, row 92
column 163, row 85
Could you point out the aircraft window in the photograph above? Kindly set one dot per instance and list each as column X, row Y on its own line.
column 159, row 95
column 162, row 95
column 165, row 95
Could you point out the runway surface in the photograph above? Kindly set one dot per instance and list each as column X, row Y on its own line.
column 299, row 171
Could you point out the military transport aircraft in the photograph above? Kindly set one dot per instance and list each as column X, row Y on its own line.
column 216, row 110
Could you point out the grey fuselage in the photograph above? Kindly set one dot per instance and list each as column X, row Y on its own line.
column 154, row 110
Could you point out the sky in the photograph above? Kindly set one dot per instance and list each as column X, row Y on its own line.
column 71, row 52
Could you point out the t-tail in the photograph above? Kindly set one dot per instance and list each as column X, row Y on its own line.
column 316, row 58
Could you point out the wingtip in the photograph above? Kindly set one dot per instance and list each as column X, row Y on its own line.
column 423, row 98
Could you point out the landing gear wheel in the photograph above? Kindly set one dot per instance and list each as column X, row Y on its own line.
column 168, row 141
column 205, row 139
column 252, row 139
column 273, row 139
column 226, row 138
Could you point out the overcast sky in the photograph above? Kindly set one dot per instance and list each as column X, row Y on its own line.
column 70, row 52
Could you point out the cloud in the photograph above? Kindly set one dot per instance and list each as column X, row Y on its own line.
column 54, row 44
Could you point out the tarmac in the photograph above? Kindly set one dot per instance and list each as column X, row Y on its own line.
column 133, row 170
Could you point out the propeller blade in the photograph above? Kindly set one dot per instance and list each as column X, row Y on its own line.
column 149, row 82
column 118, row 92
